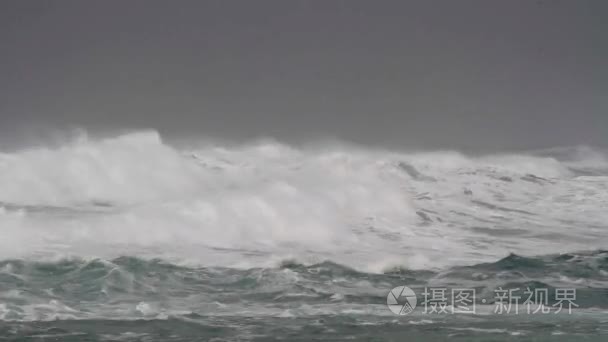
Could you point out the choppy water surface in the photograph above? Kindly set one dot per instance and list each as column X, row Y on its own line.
column 131, row 239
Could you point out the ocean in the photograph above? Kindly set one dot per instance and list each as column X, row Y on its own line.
column 132, row 239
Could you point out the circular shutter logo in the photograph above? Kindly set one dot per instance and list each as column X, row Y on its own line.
column 401, row 300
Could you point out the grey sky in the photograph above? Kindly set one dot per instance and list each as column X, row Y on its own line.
column 465, row 74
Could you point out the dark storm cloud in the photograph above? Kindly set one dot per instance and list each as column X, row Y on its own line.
column 423, row 74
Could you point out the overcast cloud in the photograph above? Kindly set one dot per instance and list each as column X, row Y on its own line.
column 413, row 74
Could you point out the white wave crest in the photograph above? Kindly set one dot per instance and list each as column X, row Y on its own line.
column 257, row 204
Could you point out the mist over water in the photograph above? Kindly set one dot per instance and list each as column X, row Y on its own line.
column 368, row 209
column 130, row 228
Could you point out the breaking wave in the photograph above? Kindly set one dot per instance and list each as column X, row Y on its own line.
column 259, row 204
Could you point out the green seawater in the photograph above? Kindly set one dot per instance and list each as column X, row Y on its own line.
column 132, row 299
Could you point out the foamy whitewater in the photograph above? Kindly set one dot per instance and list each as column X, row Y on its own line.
column 130, row 227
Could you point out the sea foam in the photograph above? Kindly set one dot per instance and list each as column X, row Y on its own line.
column 261, row 203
